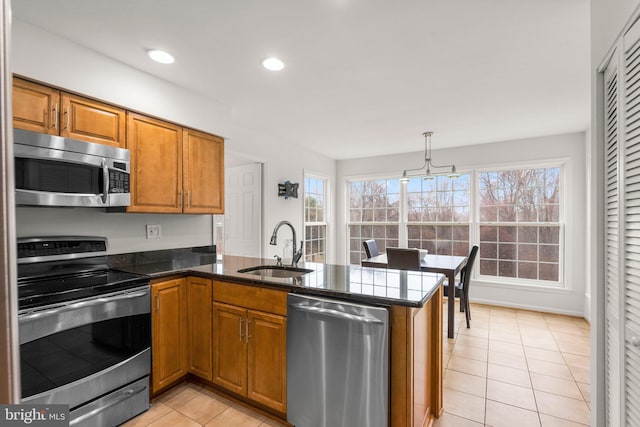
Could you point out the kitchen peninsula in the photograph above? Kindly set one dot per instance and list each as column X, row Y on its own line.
column 217, row 301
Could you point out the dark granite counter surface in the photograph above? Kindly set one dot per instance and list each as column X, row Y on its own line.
column 353, row 283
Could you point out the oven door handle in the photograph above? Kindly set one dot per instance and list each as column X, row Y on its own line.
column 83, row 304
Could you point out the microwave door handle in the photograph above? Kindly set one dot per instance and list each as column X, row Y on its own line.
column 105, row 181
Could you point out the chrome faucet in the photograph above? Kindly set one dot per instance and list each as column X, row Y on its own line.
column 297, row 254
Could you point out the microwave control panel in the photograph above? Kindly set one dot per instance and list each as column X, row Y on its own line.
column 118, row 181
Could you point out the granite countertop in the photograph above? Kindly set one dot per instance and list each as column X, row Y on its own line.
column 353, row 283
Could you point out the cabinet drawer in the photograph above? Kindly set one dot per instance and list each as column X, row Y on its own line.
column 253, row 297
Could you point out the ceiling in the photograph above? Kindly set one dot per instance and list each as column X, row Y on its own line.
column 362, row 77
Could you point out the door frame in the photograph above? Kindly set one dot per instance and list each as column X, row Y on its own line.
column 263, row 165
column 9, row 347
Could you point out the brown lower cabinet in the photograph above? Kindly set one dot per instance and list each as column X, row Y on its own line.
column 416, row 363
column 249, row 343
column 169, row 332
column 233, row 336
column 228, row 334
column 199, row 326
column 181, row 335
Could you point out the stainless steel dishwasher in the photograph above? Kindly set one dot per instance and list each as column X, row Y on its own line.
column 337, row 363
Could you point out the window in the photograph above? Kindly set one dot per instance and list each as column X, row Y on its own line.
column 315, row 219
column 434, row 210
column 374, row 213
column 519, row 224
column 438, row 215
column 513, row 215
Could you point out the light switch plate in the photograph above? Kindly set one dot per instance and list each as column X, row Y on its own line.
column 154, row 231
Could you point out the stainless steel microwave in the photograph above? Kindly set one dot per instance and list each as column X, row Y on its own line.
column 55, row 171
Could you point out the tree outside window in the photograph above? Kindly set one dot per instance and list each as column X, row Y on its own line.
column 520, row 225
column 374, row 213
column 515, row 219
column 439, row 214
column 315, row 221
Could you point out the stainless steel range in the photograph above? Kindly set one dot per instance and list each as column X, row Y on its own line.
column 85, row 330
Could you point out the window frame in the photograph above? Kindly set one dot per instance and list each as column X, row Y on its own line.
column 326, row 212
column 402, row 234
column 469, row 224
column 564, row 165
column 403, row 222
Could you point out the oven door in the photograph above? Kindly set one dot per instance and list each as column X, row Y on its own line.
column 75, row 352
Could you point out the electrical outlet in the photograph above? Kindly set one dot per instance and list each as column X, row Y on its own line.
column 154, row 231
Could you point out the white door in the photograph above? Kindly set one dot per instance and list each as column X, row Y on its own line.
column 630, row 302
column 243, row 210
column 622, row 186
column 614, row 265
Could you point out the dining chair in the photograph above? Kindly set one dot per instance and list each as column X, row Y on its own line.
column 462, row 287
column 371, row 248
column 403, row 259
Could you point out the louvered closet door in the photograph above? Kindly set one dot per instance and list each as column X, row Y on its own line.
column 631, row 297
column 612, row 303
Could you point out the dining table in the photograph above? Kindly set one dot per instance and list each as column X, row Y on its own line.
column 448, row 265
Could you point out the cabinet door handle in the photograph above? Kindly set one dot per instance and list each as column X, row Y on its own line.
column 241, row 329
column 157, row 304
column 180, row 197
column 247, row 333
column 188, row 198
column 66, row 120
column 55, row 117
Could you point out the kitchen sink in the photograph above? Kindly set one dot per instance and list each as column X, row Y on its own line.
column 276, row 271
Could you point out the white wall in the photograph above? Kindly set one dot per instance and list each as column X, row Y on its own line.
column 285, row 163
column 569, row 146
column 42, row 56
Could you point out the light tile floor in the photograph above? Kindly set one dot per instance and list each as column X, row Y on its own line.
column 511, row 368
column 190, row 405
column 516, row 368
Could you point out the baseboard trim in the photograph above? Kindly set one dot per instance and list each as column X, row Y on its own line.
column 587, row 308
column 528, row 307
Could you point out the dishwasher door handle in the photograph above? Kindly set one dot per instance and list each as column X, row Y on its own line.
column 336, row 313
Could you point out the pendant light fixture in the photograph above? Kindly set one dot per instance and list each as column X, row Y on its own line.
column 432, row 170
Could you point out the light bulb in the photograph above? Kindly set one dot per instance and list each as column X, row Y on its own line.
column 161, row 56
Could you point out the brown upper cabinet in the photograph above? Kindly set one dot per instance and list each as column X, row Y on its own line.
column 156, row 165
column 203, row 172
column 174, row 170
column 40, row 108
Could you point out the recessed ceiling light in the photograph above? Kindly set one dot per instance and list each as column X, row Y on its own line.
column 161, row 56
column 273, row 64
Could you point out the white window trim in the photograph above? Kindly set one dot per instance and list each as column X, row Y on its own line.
column 306, row 173
column 566, row 232
column 403, row 223
column 564, row 282
column 402, row 231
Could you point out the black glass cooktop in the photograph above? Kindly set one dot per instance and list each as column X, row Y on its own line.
column 45, row 290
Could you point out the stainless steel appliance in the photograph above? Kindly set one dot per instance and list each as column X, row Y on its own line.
column 85, row 330
column 55, row 171
column 337, row 363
